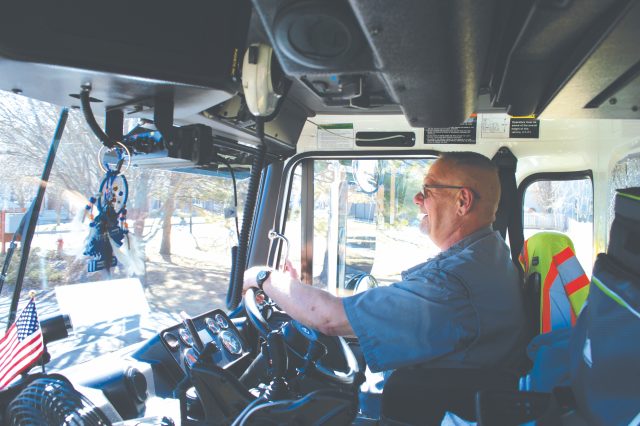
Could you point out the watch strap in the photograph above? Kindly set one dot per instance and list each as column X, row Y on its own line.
column 262, row 277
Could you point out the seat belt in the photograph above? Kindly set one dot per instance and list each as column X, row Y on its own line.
column 509, row 215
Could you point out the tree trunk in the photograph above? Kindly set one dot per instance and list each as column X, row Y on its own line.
column 140, row 204
column 168, row 208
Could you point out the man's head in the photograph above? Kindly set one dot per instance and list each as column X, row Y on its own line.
column 460, row 195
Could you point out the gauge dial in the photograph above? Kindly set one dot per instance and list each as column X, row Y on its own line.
column 190, row 357
column 221, row 321
column 171, row 340
column 231, row 342
column 186, row 336
column 212, row 325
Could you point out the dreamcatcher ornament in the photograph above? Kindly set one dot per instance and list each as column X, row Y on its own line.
column 109, row 242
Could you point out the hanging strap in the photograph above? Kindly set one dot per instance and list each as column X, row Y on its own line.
column 509, row 215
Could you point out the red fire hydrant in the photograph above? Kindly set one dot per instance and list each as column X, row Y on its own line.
column 59, row 246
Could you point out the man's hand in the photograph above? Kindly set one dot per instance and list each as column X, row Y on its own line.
column 293, row 273
column 250, row 277
column 251, row 274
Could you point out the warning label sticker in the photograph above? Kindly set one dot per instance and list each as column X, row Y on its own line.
column 494, row 126
column 524, row 128
column 336, row 136
column 463, row 134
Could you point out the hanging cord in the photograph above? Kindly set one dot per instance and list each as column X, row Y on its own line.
column 237, row 277
column 85, row 103
column 235, row 192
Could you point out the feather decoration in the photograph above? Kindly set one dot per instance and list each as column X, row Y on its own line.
column 129, row 254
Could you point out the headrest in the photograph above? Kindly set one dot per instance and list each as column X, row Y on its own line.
column 540, row 248
column 624, row 238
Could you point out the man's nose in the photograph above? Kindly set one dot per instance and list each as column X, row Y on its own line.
column 418, row 198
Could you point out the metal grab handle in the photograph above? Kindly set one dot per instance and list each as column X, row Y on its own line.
column 274, row 235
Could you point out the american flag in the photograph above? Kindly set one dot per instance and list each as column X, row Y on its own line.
column 21, row 346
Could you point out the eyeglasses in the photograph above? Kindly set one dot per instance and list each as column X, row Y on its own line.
column 436, row 186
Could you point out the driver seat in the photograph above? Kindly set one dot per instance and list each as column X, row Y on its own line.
column 422, row 396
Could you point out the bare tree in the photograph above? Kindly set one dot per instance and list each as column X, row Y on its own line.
column 26, row 129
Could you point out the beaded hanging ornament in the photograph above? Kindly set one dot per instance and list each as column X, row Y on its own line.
column 108, row 230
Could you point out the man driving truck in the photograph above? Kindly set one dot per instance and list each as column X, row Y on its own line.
column 460, row 309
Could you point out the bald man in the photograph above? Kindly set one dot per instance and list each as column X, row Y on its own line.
column 460, row 309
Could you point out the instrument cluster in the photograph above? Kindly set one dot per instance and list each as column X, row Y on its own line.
column 214, row 328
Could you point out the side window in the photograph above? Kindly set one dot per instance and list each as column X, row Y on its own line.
column 625, row 174
column 357, row 216
column 561, row 204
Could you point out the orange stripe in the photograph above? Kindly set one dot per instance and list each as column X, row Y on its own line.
column 573, row 317
column 524, row 260
column 579, row 283
column 565, row 254
column 546, row 298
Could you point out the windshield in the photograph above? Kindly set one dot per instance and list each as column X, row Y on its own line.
column 182, row 226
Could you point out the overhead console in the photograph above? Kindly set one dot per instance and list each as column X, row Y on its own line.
column 369, row 56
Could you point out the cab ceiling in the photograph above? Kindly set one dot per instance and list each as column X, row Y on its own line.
column 435, row 61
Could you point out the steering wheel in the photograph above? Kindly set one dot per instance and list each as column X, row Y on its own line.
column 348, row 377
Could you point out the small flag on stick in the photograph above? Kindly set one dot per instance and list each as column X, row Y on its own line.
column 21, row 346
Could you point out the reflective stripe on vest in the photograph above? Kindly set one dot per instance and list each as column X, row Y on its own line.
column 564, row 285
column 576, row 282
column 568, row 282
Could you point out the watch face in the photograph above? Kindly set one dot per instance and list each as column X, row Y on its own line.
column 262, row 275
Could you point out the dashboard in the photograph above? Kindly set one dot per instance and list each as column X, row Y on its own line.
column 213, row 329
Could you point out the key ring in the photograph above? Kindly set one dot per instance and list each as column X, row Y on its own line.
column 118, row 145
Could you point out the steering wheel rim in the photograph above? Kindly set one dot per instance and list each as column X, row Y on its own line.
column 253, row 312
column 348, row 377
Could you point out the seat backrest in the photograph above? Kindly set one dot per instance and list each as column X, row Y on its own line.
column 604, row 345
column 556, row 286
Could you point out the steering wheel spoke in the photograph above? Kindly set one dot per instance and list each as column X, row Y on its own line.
column 257, row 303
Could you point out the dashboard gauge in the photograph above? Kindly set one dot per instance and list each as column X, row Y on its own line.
column 212, row 325
column 231, row 342
column 190, row 357
column 185, row 336
column 171, row 340
column 221, row 321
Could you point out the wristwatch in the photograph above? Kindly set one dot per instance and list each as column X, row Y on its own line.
column 262, row 277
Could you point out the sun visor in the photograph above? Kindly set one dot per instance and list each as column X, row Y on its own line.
column 128, row 51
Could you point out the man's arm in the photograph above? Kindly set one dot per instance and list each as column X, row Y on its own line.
column 313, row 307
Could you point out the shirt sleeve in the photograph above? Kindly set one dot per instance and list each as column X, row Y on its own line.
column 412, row 321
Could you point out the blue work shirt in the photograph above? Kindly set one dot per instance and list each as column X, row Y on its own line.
column 460, row 309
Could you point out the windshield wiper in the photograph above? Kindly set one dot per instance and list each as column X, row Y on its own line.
column 28, row 224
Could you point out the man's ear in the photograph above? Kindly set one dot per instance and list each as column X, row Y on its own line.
column 465, row 201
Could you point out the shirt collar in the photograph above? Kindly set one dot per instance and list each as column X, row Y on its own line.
column 457, row 247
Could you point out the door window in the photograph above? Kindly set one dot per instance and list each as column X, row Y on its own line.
column 562, row 205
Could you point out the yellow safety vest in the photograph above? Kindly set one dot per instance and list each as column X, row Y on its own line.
column 564, row 284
